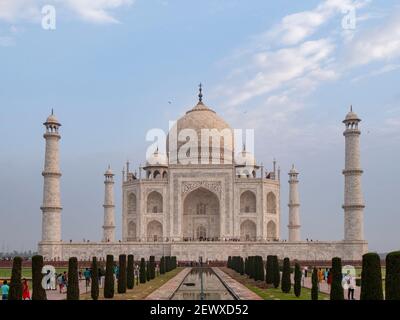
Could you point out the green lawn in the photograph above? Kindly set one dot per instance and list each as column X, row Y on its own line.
column 260, row 288
column 141, row 291
column 277, row 294
column 26, row 272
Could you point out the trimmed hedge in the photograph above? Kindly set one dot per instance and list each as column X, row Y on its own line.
column 276, row 273
column 392, row 279
column 314, row 288
column 286, row 282
column 142, row 271
column 73, row 279
column 109, row 279
column 130, row 276
column 269, row 270
column 94, row 289
column 297, row 280
column 38, row 292
column 162, row 265
column 371, row 277
column 15, row 292
column 122, row 274
column 337, row 292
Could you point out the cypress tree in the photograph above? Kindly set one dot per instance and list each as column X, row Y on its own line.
column 259, row 268
column 122, row 274
column 109, row 279
column 371, row 277
column 269, row 274
column 337, row 292
column 297, row 280
column 73, row 279
column 142, row 271
column 241, row 268
column 314, row 288
column 38, row 292
column 392, row 279
column 229, row 263
column 286, row 282
column 130, row 276
column 15, row 292
column 162, row 265
column 152, row 267
column 148, row 277
column 167, row 263
column 94, row 289
column 276, row 272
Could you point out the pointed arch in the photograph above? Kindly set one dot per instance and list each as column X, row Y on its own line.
column 248, row 231
column 154, row 231
column 132, row 203
column 154, row 202
column 248, row 202
column 132, row 231
column 271, row 203
column 271, row 231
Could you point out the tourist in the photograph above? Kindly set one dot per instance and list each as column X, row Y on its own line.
column 4, row 290
column 329, row 281
column 26, row 295
column 60, row 282
column 350, row 281
column 87, row 275
column 305, row 271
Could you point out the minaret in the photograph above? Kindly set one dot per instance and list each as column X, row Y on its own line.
column 109, row 208
column 353, row 198
column 294, row 206
column 51, row 208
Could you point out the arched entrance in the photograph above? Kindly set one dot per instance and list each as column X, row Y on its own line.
column 154, row 231
column 201, row 216
column 248, row 231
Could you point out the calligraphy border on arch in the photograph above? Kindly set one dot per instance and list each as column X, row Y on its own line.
column 189, row 186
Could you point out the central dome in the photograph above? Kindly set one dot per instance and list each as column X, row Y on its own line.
column 201, row 120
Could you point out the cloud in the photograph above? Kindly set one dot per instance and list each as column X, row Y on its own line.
column 15, row 10
column 7, row 42
column 97, row 11
column 297, row 27
column 379, row 44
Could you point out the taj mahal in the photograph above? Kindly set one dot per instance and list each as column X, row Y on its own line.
column 210, row 205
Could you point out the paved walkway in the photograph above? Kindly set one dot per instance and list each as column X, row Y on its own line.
column 56, row 295
column 167, row 290
column 241, row 292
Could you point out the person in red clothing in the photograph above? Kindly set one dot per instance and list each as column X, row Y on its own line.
column 26, row 295
column 329, row 281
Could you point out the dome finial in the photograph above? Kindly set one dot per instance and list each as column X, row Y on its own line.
column 200, row 92
column 52, row 111
column 351, row 108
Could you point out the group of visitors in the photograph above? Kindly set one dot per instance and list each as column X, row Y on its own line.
column 5, row 289
column 325, row 275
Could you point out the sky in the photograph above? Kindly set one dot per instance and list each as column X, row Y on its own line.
column 114, row 69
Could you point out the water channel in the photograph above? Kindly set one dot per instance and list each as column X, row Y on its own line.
column 213, row 288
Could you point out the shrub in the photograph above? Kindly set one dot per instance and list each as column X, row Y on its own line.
column 297, row 280
column 148, row 277
column 15, row 292
column 269, row 274
column 142, row 271
column 122, row 274
column 73, row 279
column 94, row 290
column 152, row 267
column 392, row 279
column 109, row 279
column 371, row 277
column 337, row 292
column 38, row 292
column 276, row 273
column 286, row 282
column 162, row 265
column 241, row 267
column 130, row 276
column 314, row 288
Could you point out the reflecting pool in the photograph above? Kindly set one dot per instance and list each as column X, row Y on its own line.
column 213, row 288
